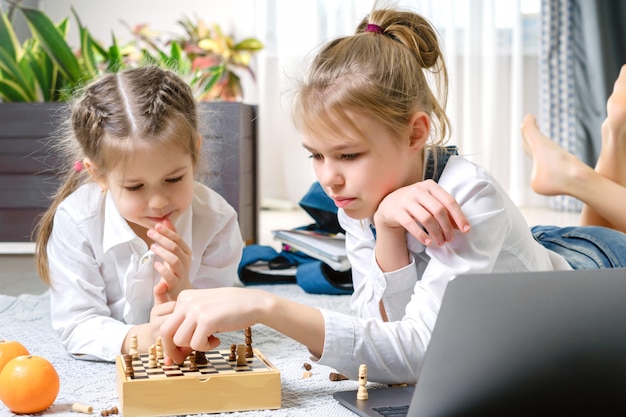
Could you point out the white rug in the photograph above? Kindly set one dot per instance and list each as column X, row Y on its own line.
column 26, row 319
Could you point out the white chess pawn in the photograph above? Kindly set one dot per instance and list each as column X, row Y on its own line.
column 362, row 392
column 133, row 347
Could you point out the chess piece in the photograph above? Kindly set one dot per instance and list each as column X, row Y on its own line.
column 192, row 362
column 362, row 392
column 152, row 359
column 249, row 351
column 201, row 358
column 133, row 347
column 108, row 412
column 129, row 371
column 233, row 353
column 241, row 355
column 159, row 348
column 82, row 408
column 335, row 376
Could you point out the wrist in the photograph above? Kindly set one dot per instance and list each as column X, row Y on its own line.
column 267, row 305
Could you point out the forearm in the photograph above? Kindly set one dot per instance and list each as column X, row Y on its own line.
column 391, row 249
column 300, row 322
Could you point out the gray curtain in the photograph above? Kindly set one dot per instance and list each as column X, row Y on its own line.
column 583, row 45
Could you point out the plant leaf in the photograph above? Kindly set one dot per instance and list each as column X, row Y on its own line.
column 250, row 44
column 115, row 59
column 53, row 42
column 86, row 50
column 8, row 39
column 18, row 75
column 11, row 91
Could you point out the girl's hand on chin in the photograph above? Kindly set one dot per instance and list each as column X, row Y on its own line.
column 425, row 210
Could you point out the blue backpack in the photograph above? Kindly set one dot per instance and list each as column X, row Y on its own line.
column 260, row 264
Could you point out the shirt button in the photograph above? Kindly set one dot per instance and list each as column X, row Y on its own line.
column 144, row 259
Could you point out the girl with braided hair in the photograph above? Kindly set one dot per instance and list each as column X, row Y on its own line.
column 416, row 214
column 129, row 223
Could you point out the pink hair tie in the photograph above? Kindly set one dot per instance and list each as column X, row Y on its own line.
column 373, row 28
column 78, row 166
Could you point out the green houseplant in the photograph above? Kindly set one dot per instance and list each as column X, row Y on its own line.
column 205, row 53
column 44, row 68
column 40, row 74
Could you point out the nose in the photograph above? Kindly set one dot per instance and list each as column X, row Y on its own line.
column 158, row 200
column 329, row 175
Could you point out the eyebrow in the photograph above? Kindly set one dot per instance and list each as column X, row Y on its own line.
column 337, row 148
column 178, row 170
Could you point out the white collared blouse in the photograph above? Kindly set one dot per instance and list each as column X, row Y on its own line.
column 500, row 240
column 102, row 273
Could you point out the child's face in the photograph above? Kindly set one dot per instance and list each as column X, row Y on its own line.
column 156, row 184
column 358, row 174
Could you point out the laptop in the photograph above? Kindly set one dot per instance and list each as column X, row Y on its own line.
column 531, row 343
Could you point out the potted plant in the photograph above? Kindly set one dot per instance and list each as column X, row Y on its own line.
column 39, row 75
column 212, row 62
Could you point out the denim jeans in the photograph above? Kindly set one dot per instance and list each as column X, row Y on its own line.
column 585, row 247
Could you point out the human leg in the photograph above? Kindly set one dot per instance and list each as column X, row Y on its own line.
column 585, row 247
column 603, row 190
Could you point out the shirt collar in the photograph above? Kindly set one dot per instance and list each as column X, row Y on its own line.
column 116, row 229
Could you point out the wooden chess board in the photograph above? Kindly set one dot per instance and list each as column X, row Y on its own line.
column 219, row 385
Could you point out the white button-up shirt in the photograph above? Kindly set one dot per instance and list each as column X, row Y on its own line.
column 500, row 240
column 102, row 273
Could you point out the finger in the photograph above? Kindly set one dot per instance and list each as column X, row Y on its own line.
column 168, row 224
column 167, row 274
column 163, row 310
column 167, row 331
column 454, row 211
column 160, row 292
column 173, row 262
column 416, row 230
column 205, row 344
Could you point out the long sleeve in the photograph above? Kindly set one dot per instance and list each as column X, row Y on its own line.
column 102, row 274
column 394, row 351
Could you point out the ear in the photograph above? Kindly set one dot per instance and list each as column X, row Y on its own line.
column 419, row 133
column 199, row 143
column 95, row 175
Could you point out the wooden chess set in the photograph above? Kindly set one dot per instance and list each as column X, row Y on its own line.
column 235, row 379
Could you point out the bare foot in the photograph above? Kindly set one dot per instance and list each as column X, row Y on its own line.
column 553, row 167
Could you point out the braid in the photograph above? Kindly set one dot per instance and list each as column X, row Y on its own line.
column 113, row 114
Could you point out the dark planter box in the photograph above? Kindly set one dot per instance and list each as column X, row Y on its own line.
column 27, row 182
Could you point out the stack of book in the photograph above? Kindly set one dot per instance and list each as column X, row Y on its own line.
column 327, row 247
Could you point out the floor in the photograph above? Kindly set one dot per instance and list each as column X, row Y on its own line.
column 18, row 273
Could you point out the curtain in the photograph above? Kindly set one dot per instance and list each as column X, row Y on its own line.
column 491, row 49
column 583, row 46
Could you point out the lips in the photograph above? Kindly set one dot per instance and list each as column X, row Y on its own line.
column 343, row 202
column 160, row 219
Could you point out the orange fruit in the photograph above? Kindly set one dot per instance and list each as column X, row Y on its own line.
column 28, row 384
column 10, row 349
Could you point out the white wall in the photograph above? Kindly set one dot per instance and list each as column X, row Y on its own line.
column 237, row 17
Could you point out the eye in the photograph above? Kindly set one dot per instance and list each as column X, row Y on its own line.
column 316, row 156
column 350, row 156
column 134, row 187
column 174, row 180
